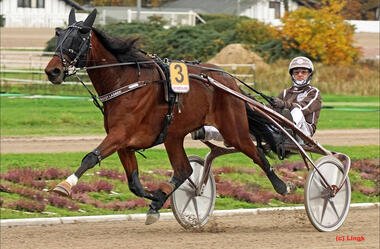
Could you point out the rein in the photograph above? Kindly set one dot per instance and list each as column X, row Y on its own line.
column 266, row 97
column 139, row 84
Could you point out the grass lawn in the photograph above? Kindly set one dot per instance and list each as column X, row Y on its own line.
column 236, row 170
column 67, row 116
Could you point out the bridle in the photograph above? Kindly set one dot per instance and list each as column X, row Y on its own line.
column 77, row 58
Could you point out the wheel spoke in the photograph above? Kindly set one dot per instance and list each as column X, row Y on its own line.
column 196, row 208
column 186, row 205
column 322, row 184
column 191, row 183
column 334, row 208
column 195, row 176
column 205, row 197
column 317, row 197
column 187, row 188
column 324, row 209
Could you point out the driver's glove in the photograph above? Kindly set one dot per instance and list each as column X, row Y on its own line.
column 278, row 103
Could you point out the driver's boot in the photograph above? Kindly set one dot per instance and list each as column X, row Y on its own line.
column 198, row 134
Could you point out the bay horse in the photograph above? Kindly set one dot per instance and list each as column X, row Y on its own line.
column 134, row 119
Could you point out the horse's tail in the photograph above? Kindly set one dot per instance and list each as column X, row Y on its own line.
column 260, row 127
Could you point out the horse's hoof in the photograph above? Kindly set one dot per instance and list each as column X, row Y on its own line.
column 152, row 216
column 63, row 188
column 290, row 188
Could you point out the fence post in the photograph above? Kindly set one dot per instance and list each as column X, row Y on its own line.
column 104, row 15
column 190, row 19
column 129, row 15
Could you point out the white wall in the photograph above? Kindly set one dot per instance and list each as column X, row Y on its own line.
column 365, row 26
column 261, row 11
column 54, row 14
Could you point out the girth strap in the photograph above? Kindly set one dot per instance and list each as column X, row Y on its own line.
column 168, row 120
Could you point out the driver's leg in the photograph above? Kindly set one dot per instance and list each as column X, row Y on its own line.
column 207, row 133
column 299, row 120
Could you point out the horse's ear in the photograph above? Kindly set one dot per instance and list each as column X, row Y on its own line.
column 72, row 16
column 90, row 19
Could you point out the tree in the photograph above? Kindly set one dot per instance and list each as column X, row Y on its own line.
column 322, row 34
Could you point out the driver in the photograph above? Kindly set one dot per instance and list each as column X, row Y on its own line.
column 301, row 103
column 302, row 100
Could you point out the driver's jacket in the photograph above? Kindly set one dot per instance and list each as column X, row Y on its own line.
column 307, row 98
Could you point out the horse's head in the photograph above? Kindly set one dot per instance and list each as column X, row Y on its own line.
column 73, row 45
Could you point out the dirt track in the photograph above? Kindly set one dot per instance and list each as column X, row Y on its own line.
column 268, row 230
column 88, row 143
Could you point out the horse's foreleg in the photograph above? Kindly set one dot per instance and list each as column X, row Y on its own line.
column 182, row 170
column 108, row 146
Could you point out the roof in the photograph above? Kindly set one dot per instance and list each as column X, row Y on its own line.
column 308, row 3
column 73, row 4
column 371, row 5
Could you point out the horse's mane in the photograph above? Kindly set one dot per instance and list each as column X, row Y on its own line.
column 125, row 50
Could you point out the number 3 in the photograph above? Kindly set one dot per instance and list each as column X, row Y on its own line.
column 179, row 72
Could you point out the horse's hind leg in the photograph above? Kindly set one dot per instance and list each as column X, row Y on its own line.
column 182, row 170
column 241, row 141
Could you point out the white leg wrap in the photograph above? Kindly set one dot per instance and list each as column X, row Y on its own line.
column 72, row 180
column 300, row 121
column 211, row 133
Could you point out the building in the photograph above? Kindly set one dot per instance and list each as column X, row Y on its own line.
column 36, row 13
column 272, row 11
column 264, row 10
column 373, row 7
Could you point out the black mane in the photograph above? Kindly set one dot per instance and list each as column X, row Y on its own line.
column 125, row 50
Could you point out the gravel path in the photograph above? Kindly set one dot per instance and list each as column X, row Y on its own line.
column 266, row 230
column 56, row 144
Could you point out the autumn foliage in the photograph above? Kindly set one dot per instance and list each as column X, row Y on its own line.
column 322, row 34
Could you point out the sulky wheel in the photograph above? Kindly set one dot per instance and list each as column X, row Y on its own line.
column 193, row 210
column 326, row 212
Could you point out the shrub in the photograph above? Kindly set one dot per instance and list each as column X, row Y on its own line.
column 254, row 32
column 54, row 173
column 26, row 176
column 82, row 187
column 25, row 205
column 100, row 185
column 61, row 202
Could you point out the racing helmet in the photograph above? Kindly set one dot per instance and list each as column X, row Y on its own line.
column 302, row 62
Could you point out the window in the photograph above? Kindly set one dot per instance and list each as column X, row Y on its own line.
column 24, row 3
column 277, row 9
column 31, row 3
column 40, row 3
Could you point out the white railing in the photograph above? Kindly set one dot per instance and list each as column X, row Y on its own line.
column 173, row 18
column 41, row 78
column 24, row 59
